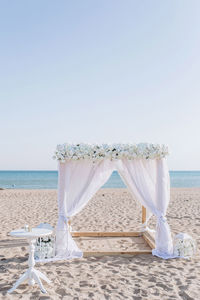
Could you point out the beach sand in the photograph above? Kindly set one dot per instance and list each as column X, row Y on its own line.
column 137, row 277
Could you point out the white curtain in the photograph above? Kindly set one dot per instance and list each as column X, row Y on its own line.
column 78, row 181
column 148, row 181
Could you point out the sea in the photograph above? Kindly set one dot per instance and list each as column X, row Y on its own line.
column 48, row 179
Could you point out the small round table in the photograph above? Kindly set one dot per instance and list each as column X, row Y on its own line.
column 31, row 274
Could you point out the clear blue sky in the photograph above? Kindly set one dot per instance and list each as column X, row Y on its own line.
column 98, row 71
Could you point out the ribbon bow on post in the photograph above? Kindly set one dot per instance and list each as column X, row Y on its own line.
column 67, row 222
column 63, row 221
column 162, row 218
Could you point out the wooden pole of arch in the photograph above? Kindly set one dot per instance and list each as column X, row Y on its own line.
column 144, row 214
column 147, row 235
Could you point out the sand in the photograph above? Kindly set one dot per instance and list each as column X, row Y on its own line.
column 137, row 277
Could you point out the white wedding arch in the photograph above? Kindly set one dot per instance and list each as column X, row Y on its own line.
column 83, row 169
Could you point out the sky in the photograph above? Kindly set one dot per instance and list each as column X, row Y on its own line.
column 98, row 71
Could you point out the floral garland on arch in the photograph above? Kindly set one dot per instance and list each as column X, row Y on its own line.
column 98, row 152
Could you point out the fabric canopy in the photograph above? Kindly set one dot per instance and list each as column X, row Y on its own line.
column 79, row 180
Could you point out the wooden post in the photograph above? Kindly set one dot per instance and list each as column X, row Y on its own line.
column 69, row 224
column 144, row 214
column 149, row 239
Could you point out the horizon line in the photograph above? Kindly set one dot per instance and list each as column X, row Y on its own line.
column 55, row 170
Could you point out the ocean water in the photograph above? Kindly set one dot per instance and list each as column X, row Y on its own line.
column 48, row 179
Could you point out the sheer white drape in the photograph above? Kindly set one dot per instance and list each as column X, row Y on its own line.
column 148, row 181
column 78, row 181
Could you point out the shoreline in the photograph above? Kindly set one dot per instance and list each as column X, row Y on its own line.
column 115, row 188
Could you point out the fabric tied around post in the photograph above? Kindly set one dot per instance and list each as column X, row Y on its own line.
column 66, row 248
column 162, row 218
column 164, row 245
column 62, row 222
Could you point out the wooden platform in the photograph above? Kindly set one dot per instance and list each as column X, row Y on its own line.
column 105, row 234
column 115, row 253
column 115, row 243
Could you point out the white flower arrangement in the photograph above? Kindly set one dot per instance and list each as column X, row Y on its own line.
column 184, row 245
column 110, row 151
column 45, row 247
